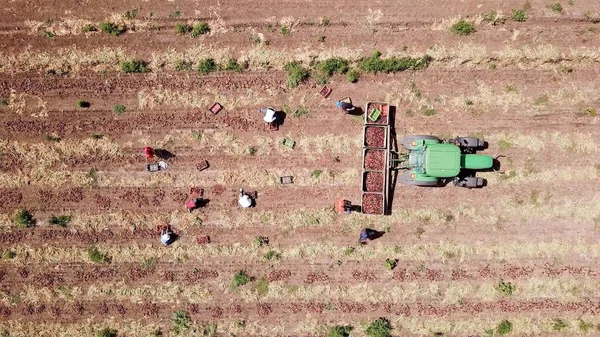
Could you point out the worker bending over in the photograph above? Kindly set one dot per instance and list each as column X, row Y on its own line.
column 269, row 115
column 244, row 199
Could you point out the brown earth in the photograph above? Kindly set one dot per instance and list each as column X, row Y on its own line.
column 541, row 104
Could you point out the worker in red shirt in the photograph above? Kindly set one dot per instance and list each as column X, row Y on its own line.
column 149, row 152
column 343, row 206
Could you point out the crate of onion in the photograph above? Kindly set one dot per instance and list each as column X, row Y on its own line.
column 377, row 113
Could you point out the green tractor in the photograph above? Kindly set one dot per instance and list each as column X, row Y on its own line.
column 431, row 161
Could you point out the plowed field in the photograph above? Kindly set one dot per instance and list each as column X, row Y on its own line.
column 523, row 250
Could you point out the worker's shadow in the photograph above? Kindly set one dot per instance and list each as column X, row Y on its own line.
column 358, row 111
column 373, row 234
column 163, row 154
column 280, row 117
column 172, row 238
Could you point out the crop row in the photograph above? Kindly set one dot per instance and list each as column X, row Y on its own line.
column 545, row 207
column 444, row 251
column 560, row 290
column 75, row 60
column 521, row 324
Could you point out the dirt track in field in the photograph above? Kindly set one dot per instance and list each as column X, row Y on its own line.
column 528, row 88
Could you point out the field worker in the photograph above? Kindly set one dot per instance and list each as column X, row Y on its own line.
column 193, row 204
column 244, row 199
column 346, row 105
column 343, row 206
column 166, row 235
column 269, row 115
column 149, row 152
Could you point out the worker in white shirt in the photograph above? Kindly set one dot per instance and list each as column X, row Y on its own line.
column 269, row 114
column 244, row 199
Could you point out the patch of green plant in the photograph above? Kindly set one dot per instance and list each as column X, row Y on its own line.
column 272, row 255
column 53, row 139
column 584, row 326
column 262, row 286
column 207, row 65
column 519, row 15
column 316, row 174
column 339, row 331
column 375, row 63
column 296, row 73
column 97, row 136
column 240, row 323
column 542, row 100
column 107, row 332
column 96, row 256
column 414, row 90
column 261, row 241
column 353, row 75
column 511, row 88
column 324, row 21
column 83, row 104
column 92, row 174
column 181, row 321
column 463, row 27
column 23, row 218
column 300, row 111
column 200, row 28
column 321, row 38
column 130, row 14
column 61, row 220
column 349, row 250
column 428, row 111
column 504, row 144
column 506, row 288
column 89, row 28
column 494, row 18
column 182, row 65
column 380, row 327
column 505, row 327
column 239, row 279
column 556, row 7
column 233, row 65
column 591, row 112
column 112, row 28
column 3, row 102
column 183, row 28
column 49, row 34
column 176, row 14
column 326, row 68
column 210, row 330
column 156, row 333
column 492, row 66
column 150, row 262
column 390, row 264
column 119, row 109
column 251, row 150
column 134, row 66
column 196, row 135
column 559, row 324
column 285, row 30
column 9, row 254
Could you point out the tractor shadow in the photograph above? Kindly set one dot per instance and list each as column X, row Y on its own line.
column 394, row 173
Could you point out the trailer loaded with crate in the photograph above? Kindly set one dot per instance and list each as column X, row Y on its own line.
column 376, row 163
